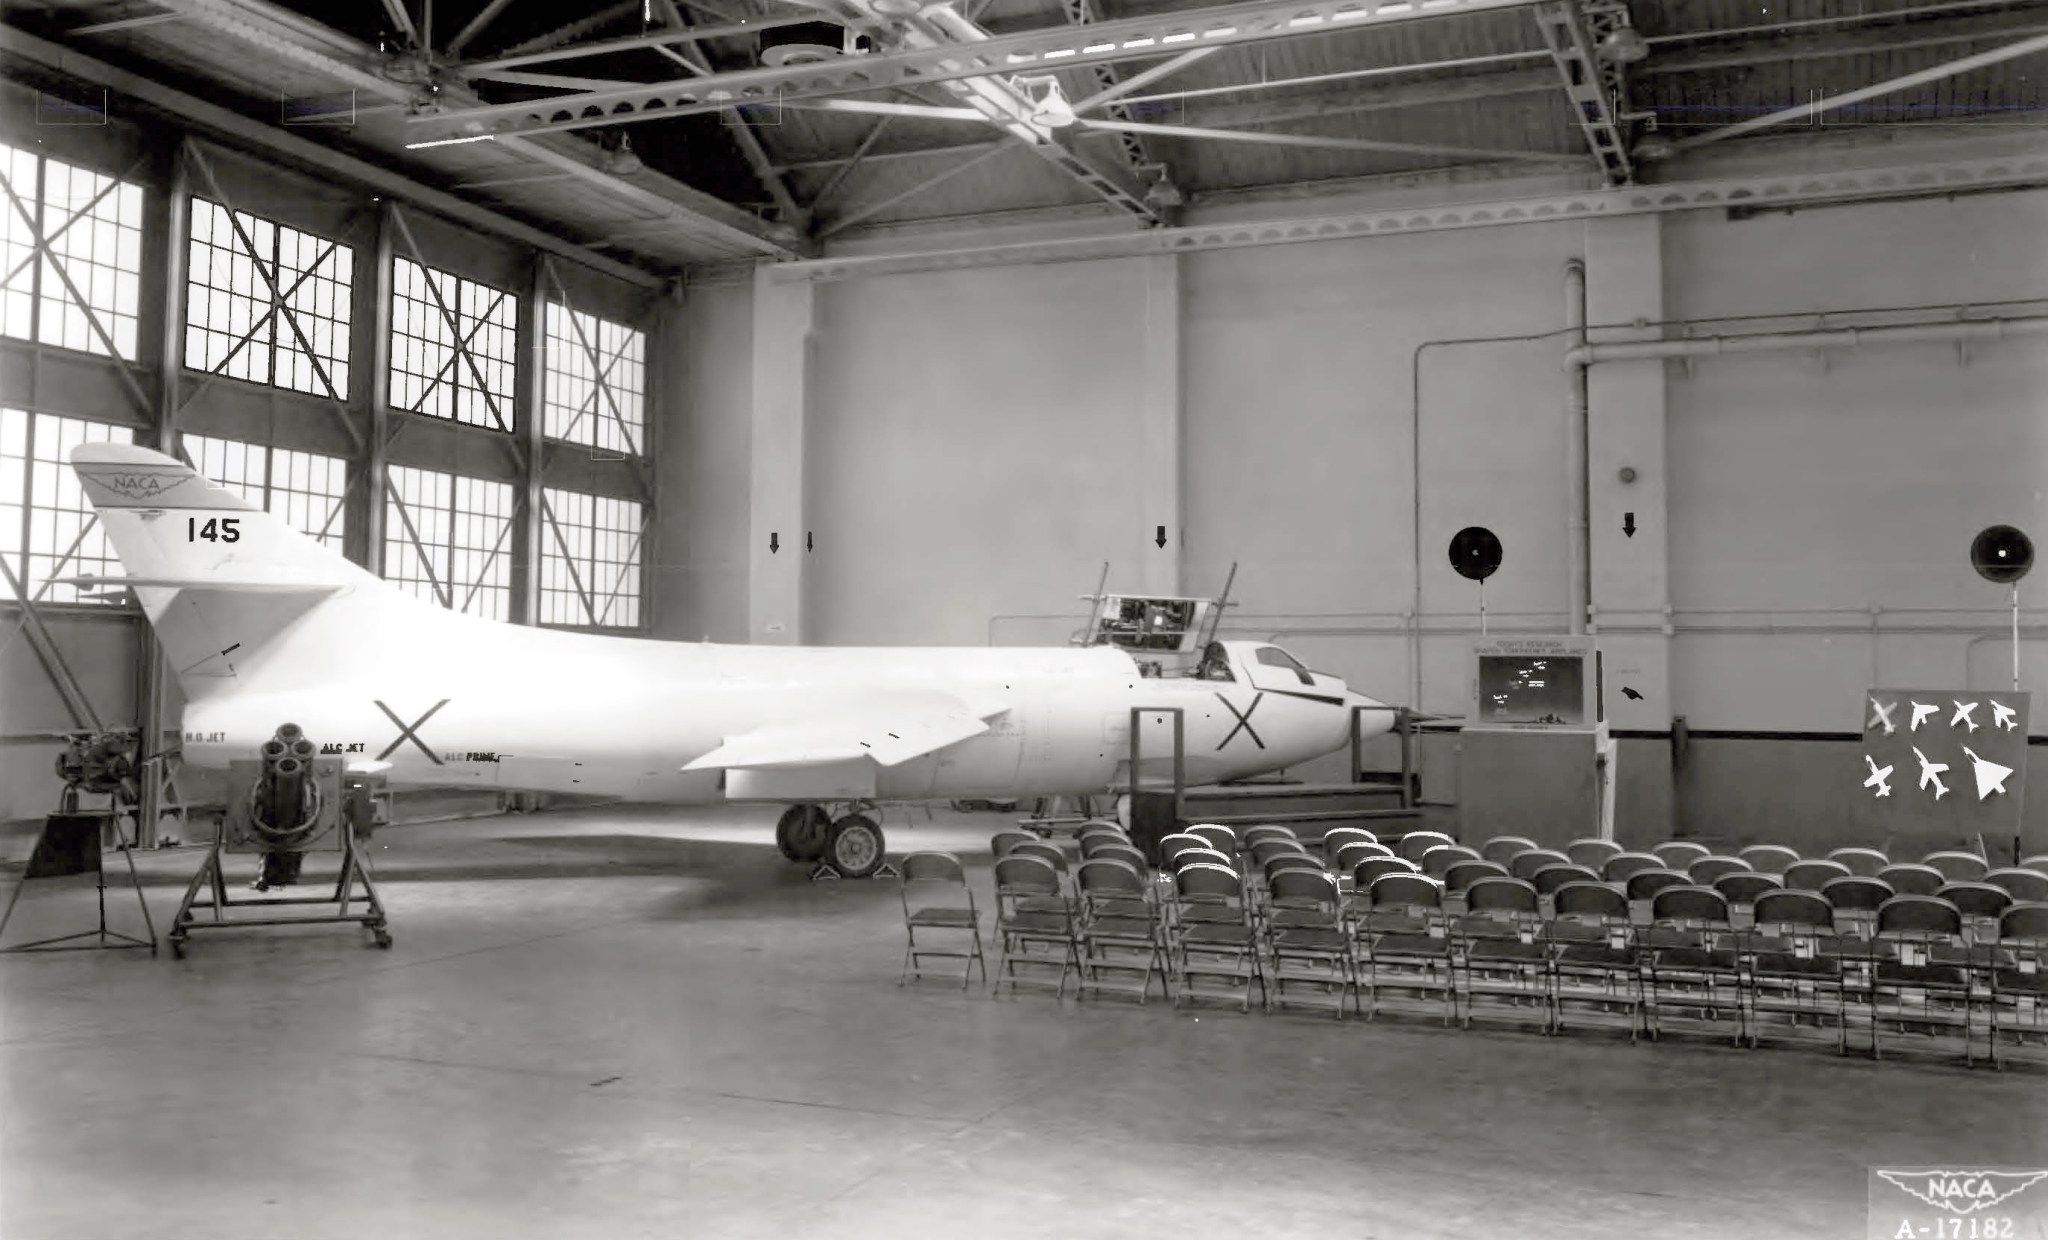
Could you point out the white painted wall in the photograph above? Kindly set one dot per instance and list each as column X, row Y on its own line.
column 973, row 440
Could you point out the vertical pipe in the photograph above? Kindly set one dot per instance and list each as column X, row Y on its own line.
column 1578, row 521
column 2015, row 642
column 527, row 378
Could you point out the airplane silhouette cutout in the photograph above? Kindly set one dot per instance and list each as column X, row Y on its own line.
column 1990, row 775
column 1920, row 713
column 2005, row 716
column 1964, row 711
column 1930, row 773
column 1878, row 776
column 1881, row 715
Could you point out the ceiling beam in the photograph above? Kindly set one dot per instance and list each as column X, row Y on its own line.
column 244, row 132
column 475, row 25
column 1131, row 38
column 303, row 41
column 1592, row 84
column 395, row 10
column 632, row 43
column 1336, row 144
column 1822, row 106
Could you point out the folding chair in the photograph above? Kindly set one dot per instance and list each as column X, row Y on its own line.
column 1032, row 911
column 1054, row 856
column 2018, row 967
column 1678, row 854
column 1213, row 937
column 1810, row 875
column 1002, row 843
column 1339, row 837
column 1768, row 858
column 1981, row 905
column 1370, row 870
column 1921, row 975
column 1958, row 867
column 1103, row 824
column 1503, row 847
column 1442, row 857
column 1645, row 884
column 1461, row 876
column 1855, row 900
column 1706, row 869
column 1621, row 867
column 1295, row 861
column 1592, row 954
column 1913, row 880
column 1093, row 841
column 1742, row 888
column 2039, row 861
column 1220, row 838
column 1693, row 962
column 1411, row 846
column 1592, row 853
column 1402, row 938
column 1308, row 941
column 1497, row 949
column 935, row 876
column 1122, row 930
column 1524, row 865
column 1796, row 964
column 1270, row 831
column 1203, row 856
column 1347, row 856
column 1126, row 853
column 1171, row 846
column 1267, row 849
column 1548, row 879
column 2030, row 886
column 1862, row 862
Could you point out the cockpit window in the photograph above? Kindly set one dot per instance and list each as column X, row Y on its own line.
column 1215, row 664
column 1273, row 656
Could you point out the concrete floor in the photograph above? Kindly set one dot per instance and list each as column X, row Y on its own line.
column 612, row 1023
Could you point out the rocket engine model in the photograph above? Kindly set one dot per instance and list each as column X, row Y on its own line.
column 285, row 805
column 98, row 763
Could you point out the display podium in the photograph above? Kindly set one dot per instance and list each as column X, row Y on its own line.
column 1536, row 758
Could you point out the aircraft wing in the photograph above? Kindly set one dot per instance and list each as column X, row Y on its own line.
column 889, row 736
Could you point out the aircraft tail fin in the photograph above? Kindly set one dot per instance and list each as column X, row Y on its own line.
column 219, row 578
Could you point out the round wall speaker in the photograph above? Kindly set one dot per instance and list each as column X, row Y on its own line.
column 1475, row 552
column 2002, row 554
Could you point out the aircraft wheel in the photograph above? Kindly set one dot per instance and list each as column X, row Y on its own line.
column 856, row 848
column 801, row 832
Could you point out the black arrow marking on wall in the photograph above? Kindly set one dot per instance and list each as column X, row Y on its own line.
column 807, row 540
column 1628, row 524
column 774, row 543
column 1160, row 538
column 1631, row 694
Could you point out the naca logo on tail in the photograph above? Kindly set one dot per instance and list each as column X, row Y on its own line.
column 136, row 486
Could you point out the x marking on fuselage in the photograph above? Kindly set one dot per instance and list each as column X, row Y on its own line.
column 410, row 733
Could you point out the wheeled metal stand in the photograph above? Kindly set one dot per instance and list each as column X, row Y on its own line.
column 213, row 879
column 56, row 856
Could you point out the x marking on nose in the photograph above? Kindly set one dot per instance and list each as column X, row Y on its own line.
column 1244, row 720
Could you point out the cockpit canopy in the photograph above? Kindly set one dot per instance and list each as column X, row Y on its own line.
column 1258, row 663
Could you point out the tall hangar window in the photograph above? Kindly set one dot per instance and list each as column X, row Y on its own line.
column 596, row 381
column 70, row 255
column 303, row 488
column 47, row 528
column 454, row 343
column 449, row 539
column 267, row 303
column 590, row 560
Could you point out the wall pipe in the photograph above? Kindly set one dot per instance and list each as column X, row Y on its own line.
column 1578, row 531
column 1961, row 331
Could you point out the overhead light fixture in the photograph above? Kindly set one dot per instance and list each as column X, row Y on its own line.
column 899, row 8
column 1624, row 45
column 479, row 137
column 1049, row 106
column 621, row 160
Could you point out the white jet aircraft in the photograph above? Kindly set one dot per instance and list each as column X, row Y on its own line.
column 263, row 626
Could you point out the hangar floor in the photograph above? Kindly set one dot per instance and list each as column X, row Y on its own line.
column 618, row 1023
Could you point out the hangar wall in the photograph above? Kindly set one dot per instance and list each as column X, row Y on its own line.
column 974, row 450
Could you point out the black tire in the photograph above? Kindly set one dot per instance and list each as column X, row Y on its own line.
column 857, row 848
column 802, row 832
